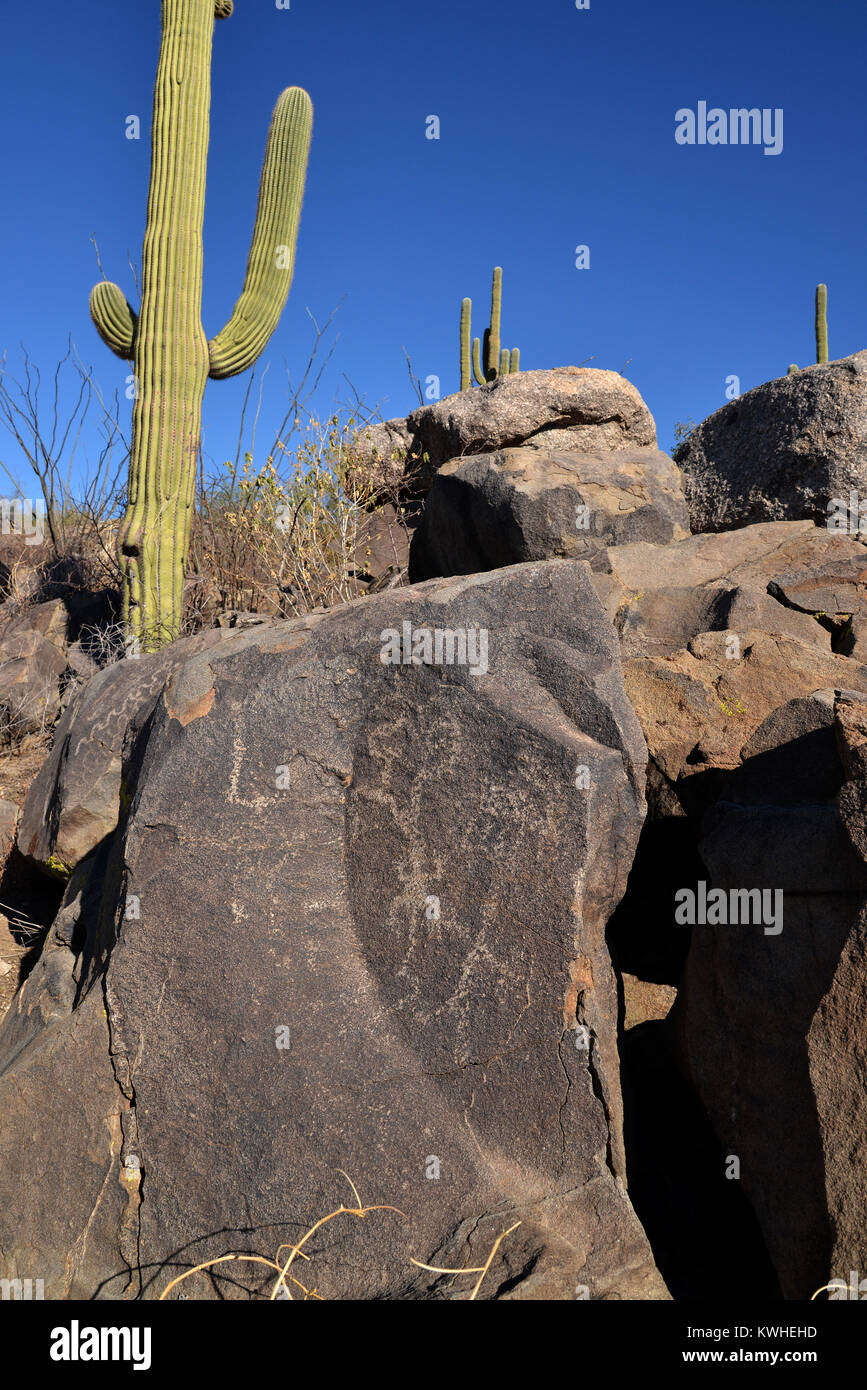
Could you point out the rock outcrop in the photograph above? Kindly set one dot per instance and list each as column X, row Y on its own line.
column 770, row 1017
column 373, row 892
column 782, row 451
column 535, row 503
column 74, row 801
column 352, row 918
column 737, row 681
column 742, row 661
column 569, row 408
column 32, row 662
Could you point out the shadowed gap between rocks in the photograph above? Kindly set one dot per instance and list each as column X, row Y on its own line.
column 30, row 900
column 704, row 1235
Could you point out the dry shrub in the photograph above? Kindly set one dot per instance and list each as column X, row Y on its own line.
column 80, row 524
column 282, row 539
column 292, row 535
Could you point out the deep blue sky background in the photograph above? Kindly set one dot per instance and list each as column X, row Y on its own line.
column 557, row 129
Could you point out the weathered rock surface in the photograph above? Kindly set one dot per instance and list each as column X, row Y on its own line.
column 10, row 814
column 732, row 648
column 753, row 557
column 700, row 706
column 783, row 450
column 660, row 621
column 74, row 801
column 538, row 503
column 570, row 408
column 770, row 1022
column 353, row 918
column 708, row 660
column 645, row 1000
column 578, row 408
column 737, row 645
column 734, row 680
column 733, row 645
column 32, row 661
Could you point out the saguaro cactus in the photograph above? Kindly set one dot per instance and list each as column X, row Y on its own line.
column 821, row 328
column 821, row 323
column 497, row 362
column 172, row 358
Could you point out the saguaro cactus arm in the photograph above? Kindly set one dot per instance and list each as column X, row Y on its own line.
column 477, row 363
column 821, row 323
column 492, row 342
column 466, row 330
column 114, row 317
column 271, row 262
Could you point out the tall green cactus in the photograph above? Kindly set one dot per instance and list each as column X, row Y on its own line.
column 821, row 329
column 172, row 358
column 821, row 323
column 498, row 362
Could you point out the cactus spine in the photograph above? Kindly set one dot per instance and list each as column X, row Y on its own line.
column 497, row 361
column 821, row 323
column 166, row 342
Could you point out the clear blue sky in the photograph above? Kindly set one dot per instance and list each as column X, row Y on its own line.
column 557, row 129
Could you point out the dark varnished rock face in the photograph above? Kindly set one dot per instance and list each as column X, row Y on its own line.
column 74, row 800
column 389, row 868
column 526, row 503
column 782, row 451
column 771, row 1024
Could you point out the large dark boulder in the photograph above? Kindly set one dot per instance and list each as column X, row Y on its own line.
column 530, row 503
column 353, row 918
column 74, row 800
column 783, row 451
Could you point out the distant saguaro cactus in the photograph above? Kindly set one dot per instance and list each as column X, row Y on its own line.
column 497, row 362
column 172, row 358
column 821, row 328
column 821, row 323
